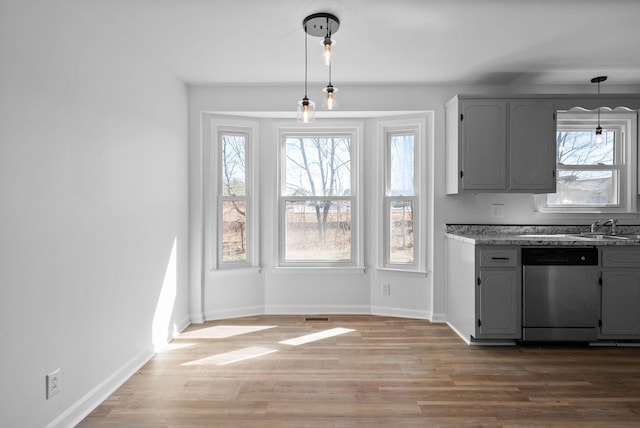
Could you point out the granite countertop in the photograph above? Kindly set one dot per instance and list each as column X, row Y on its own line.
column 565, row 235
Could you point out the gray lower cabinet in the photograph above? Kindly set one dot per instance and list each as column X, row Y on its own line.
column 498, row 294
column 620, row 298
column 484, row 291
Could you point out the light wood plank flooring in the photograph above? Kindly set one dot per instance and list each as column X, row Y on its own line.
column 373, row 372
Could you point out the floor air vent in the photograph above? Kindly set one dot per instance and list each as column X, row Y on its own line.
column 316, row 319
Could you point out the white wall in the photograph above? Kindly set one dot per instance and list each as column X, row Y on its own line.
column 411, row 296
column 93, row 210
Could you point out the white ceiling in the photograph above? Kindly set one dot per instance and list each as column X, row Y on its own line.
column 379, row 41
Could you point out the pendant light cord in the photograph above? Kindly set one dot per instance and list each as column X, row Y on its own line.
column 598, row 105
column 305, row 60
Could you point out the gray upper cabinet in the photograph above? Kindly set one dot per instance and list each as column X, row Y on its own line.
column 483, row 131
column 500, row 145
column 532, row 137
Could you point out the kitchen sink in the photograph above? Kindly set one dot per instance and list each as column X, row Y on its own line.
column 555, row 236
column 587, row 236
column 595, row 235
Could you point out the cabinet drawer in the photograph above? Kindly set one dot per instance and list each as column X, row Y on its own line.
column 498, row 257
column 621, row 257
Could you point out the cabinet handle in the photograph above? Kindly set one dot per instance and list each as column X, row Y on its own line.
column 500, row 258
column 461, row 174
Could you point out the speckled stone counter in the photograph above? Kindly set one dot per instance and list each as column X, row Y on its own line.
column 565, row 235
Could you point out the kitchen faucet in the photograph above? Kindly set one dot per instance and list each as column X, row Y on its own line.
column 594, row 225
column 613, row 222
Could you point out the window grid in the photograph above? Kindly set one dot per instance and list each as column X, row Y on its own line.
column 591, row 174
column 233, row 206
column 400, row 200
column 318, row 199
column 600, row 178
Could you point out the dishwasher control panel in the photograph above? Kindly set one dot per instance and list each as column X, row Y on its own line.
column 559, row 256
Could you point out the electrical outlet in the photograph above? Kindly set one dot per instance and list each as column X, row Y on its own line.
column 498, row 210
column 53, row 383
column 386, row 289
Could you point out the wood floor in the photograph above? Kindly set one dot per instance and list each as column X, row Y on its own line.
column 370, row 372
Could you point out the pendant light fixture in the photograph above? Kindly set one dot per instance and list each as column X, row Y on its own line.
column 306, row 108
column 318, row 25
column 599, row 80
column 330, row 90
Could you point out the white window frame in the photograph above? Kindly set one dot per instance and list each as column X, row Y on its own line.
column 218, row 126
column 387, row 129
column 624, row 124
column 354, row 131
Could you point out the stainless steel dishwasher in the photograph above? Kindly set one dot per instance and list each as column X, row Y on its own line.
column 560, row 294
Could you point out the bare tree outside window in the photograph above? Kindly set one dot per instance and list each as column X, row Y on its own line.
column 587, row 172
column 400, row 198
column 318, row 198
column 233, row 197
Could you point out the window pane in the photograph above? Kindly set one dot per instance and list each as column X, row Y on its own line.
column 318, row 166
column 401, row 233
column 401, row 174
column 318, row 230
column 233, row 166
column 580, row 148
column 585, row 188
column 234, row 237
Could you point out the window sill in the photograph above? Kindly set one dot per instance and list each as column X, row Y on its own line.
column 404, row 272
column 319, row 270
column 238, row 269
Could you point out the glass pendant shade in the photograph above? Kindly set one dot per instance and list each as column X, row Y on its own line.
column 330, row 100
column 327, row 54
column 599, row 135
column 306, row 111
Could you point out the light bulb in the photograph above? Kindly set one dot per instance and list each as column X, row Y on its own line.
column 599, row 135
column 328, row 55
column 330, row 100
column 306, row 110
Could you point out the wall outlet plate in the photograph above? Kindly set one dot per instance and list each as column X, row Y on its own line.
column 386, row 289
column 53, row 383
column 498, row 210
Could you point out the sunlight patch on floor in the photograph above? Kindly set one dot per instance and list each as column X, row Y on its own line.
column 232, row 357
column 301, row 340
column 223, row 331
column 174, row 346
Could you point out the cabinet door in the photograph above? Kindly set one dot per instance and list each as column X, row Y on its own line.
column 483, row 131
column 498, row 304
column 532, row 139
column 620, row 304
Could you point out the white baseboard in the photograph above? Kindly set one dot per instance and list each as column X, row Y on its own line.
column 467, row 340
column 317, row 310
column 400, row 313
column 197, row 318
column 81, row 408
column 221, row 314
column 439, row 318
